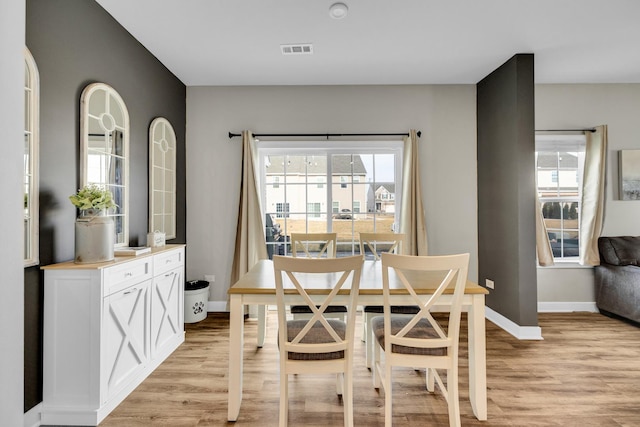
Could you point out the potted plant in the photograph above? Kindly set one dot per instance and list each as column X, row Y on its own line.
column 93, row 199
column 95, row 233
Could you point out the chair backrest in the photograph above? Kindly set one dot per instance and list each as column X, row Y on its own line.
column 299, row 277
column 434, row 272
column 314, row 245
column 382, row 242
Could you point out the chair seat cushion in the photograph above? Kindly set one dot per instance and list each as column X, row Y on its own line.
column 397, row 309
column 422, row 329
column 303, row 309
column 317, row 335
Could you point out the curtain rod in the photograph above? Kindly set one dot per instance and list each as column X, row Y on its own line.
column 327, row 135
column 566, row 130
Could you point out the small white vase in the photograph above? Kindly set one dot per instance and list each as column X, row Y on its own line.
column 94, row 238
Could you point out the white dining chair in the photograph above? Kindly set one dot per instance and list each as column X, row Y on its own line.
column 377, row 243
column 315, row 246
column 319, row 344
column 420, row 340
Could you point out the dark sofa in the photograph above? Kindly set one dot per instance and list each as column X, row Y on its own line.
column 618, row 277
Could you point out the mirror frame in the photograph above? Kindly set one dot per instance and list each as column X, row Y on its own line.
column 32, row 172
column 110, row 95
column 168, row 136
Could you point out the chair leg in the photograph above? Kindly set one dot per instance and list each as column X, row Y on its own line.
column 347, row 400
column 431, row 380
column 369, row 340
column 340, row 384
column 388, row 395
column 454, row 402
column 376, row 366
column 284, row 400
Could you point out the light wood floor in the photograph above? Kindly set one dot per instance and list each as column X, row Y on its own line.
column 586, row 372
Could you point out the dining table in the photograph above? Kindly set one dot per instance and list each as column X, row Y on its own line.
column 257, row 287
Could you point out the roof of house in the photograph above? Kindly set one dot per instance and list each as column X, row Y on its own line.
column 317, row 165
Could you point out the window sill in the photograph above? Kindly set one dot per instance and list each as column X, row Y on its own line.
column 565, row 264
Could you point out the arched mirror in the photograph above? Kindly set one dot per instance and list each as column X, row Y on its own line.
column 162, row 178
column 104, row 150
column 31, row 124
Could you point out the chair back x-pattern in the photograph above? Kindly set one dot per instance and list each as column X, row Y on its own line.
column 333, row 274
column 406, row 268
column 396, row 242
column 325, row 241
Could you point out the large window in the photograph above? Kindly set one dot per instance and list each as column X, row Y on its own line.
column 559, row 168
column 354, row 171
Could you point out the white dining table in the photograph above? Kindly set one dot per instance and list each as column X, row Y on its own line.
column 257, row 287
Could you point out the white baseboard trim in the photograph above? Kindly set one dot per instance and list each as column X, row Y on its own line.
column 520, row 332
column 217, row 306
column 32, row 416
column 566, row 307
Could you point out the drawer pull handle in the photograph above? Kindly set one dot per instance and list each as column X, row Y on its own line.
column 130, row 291
column 168, row 261
column 128, row 274
column 170, row 274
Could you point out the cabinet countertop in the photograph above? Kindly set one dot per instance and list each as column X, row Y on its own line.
column 70, row 265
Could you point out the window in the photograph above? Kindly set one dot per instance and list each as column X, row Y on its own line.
column 30, row 159
column 559, row 166
column 352, row 171
column 282, row 210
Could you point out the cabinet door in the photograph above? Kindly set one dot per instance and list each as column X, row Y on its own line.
column 126, row 336
column 167, row 309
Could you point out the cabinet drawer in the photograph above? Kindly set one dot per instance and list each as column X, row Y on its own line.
column 166, row 261
column 129, row 273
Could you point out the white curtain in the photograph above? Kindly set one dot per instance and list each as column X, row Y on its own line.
column 543, row 246
column 592, row 205
column 250, row 241
column 412, row 221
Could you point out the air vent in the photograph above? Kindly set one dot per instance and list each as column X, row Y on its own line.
column 297, row 49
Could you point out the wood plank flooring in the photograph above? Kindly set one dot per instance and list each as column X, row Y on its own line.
column 586, row 372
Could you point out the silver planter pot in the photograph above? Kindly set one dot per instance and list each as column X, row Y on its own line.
column 94, row 239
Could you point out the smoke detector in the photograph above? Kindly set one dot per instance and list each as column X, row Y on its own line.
column 338, row 10
column 297, row 49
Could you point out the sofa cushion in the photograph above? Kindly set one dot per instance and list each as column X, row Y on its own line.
column 621, row 250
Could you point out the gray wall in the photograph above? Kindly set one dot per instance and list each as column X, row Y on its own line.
column 445, row 114
column 11, row 215
column 506, row 189
column 74, row 43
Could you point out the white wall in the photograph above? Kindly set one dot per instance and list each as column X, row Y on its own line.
column 584, row 106
column 12, row 22
column 445, row 114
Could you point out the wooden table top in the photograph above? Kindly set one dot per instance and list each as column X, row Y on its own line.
column 261, row 280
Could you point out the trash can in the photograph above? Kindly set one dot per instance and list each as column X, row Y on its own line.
column 196, row 296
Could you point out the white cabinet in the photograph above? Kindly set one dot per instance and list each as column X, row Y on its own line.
column 107, row 326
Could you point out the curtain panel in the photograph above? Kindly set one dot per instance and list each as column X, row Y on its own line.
column 412, row 222
column 592, row 206
column 250, row 241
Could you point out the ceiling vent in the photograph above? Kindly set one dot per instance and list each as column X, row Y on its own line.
column 297, row 49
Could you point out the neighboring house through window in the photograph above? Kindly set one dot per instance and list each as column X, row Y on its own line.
column 292, row 181
column 559, row 169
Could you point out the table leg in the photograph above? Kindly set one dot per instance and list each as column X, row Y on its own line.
column 236, row 344
column 262, row 324
column 477, row 357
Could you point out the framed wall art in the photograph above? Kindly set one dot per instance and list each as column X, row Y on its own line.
column 629, row 169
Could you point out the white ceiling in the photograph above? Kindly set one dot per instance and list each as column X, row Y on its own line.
column 237, row 42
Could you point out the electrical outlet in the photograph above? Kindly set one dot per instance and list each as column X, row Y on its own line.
column 489, row 284
column 210, row 278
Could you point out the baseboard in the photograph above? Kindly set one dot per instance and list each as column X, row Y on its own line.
column 520, row 332
column 566, row 307
column 32, row 416
column 217, row 306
